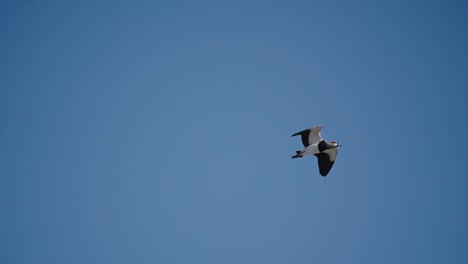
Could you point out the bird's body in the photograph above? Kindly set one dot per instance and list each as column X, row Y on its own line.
column 325, row 151
column 311, row 149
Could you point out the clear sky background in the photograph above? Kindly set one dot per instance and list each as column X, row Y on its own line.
column 159, row 131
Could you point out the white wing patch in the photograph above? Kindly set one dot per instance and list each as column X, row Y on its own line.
column 332, row 153
column 314, row 135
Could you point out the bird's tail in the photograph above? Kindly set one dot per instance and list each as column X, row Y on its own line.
column 298, row 154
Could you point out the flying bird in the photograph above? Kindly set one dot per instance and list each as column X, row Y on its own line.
column 325, row 151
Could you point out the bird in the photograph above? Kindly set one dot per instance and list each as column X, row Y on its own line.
column 325, row 151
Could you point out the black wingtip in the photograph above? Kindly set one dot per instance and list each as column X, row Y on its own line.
column 299, row 133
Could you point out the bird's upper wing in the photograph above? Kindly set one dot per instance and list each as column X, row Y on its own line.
column 326, row 160
column 310, row 136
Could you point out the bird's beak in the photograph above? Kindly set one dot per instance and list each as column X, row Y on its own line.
column 339, row 145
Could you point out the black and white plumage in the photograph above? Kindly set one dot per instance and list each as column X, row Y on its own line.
column 325, row 151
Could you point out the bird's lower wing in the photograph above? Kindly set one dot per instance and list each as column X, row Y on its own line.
column 326, row 160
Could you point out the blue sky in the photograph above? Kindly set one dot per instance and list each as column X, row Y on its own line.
column 159, row 131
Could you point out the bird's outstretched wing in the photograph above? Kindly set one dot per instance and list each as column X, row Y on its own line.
column 326, row 160
column 310, row 136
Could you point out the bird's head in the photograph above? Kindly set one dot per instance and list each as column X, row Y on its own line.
column 335, row 144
